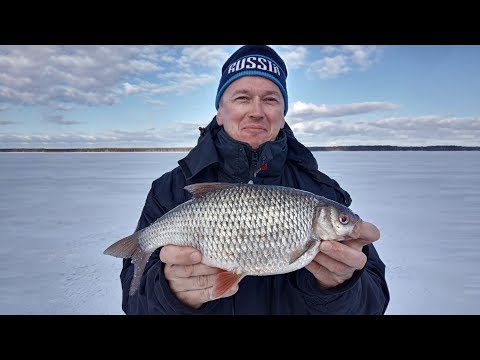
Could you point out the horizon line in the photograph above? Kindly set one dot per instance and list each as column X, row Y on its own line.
column 188, row 148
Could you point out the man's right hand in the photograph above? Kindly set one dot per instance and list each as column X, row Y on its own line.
column 190, row 280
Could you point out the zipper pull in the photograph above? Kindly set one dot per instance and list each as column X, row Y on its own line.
column 262, row 168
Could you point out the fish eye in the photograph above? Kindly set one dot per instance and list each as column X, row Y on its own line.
column 344, row 219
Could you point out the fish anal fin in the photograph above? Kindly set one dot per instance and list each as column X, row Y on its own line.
column 201, row 189
column 224, row 282
column 294, row 256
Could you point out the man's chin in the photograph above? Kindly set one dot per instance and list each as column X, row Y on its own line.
column 254, row 143
column 254, row 137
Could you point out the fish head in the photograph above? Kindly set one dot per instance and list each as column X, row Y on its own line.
column 334, row 221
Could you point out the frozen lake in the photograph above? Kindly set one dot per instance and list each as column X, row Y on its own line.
column 59, row 211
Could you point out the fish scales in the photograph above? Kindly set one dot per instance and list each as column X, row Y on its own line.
column 234, row 226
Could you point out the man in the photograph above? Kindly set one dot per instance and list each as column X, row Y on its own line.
column 249, row 141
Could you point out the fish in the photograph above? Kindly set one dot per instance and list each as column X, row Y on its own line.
column 243, row 229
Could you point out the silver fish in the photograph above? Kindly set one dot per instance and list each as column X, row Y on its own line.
column 245, row 229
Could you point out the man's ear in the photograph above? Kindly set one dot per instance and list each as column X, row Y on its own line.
column 219, row 118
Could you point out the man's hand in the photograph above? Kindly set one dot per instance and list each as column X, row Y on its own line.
column 190, row 280
column 337, row 260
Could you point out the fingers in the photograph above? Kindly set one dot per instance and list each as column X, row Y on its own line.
column 335, row 256
column 180, row 255
column 191, row 281
column 196, row 282
column 195, row 298
column 185, row 271
column 324, row 277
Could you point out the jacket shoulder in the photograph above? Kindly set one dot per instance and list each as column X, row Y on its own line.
column 342, row 195
column 323, row 182
column 168, row 190
column 165, row 193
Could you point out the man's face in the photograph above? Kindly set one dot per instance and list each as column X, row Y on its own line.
column 251, row 110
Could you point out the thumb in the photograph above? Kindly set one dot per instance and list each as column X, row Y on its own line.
column 368, row 233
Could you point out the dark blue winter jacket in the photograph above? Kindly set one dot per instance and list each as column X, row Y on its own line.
column 286, row 162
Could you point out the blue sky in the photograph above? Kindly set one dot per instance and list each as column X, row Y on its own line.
column 157, row 96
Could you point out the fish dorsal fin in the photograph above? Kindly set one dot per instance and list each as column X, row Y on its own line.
column 202, row 189
column 298, row 253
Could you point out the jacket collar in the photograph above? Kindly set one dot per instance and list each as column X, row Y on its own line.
column 214, row 145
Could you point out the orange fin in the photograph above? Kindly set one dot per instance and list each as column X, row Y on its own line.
column 224, row 282
column 297, row 254
column 202, row 189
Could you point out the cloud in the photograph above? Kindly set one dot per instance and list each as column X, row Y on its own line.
column 418, row 131
column 422, row 130
column 156, row 102
column 179, row 134
column 293, row 56
column 176, row 83
column 303, row 111
column 212, row 56
column 100, row 75
column 6, row 122
column 59, row 119
column 340, row 60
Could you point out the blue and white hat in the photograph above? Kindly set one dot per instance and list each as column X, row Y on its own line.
column 254, row 60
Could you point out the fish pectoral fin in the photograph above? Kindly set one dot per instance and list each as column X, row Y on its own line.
column 298, row 253
column 225, row 281
column 201, row 189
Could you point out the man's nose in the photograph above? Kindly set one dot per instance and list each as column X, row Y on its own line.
column 256, row 108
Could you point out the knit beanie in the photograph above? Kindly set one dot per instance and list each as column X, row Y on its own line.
column 254, row 60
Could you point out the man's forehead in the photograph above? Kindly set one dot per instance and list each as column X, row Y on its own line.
column 253, row 84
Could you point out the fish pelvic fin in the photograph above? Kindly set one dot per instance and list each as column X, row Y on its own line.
column 298, row 253
column 224, row 282
column 202, row 189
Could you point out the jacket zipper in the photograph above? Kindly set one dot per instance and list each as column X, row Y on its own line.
column 253, row 165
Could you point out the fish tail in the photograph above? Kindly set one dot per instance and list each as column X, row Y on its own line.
column 129, row 247
column 124, row 248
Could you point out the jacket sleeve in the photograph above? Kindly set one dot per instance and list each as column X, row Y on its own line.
column 366, row 293
column 154, row 295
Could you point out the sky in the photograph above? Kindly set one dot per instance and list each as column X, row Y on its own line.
column 60, row 211
column 84, row 96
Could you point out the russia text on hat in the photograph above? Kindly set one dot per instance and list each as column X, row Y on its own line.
column 253, row 62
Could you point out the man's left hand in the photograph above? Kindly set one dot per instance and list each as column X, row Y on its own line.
column 337, row 260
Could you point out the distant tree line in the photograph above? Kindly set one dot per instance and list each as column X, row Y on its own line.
column 312, row 148
column 394, row 148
